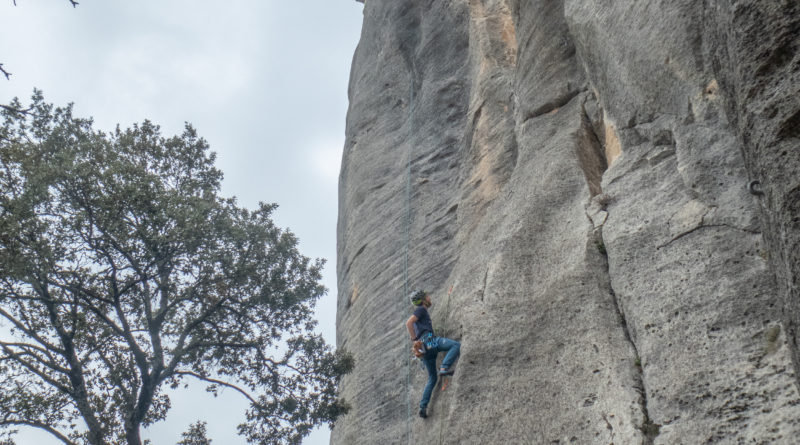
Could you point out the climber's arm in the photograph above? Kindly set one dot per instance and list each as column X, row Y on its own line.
column 410, row 326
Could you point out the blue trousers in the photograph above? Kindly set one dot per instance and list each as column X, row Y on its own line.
column 453, row 349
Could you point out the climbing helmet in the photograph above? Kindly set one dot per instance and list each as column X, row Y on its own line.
column 417, row 296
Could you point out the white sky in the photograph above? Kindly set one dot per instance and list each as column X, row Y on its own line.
column 264, row 81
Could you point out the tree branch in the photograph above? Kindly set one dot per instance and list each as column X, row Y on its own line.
column 40, row 425
column 179, row 350
column 79, row 391
column 49, row 380
column 92, row 308
column 77, row 289
column 26, row 111
column 126, row 332
column 221, row 383
column 29, row 332
column 139, row 355
column 87, row 305
column 50, row 362
column 192, row 294
column 219, row 345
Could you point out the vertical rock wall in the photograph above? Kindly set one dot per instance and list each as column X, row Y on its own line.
column 576, row 172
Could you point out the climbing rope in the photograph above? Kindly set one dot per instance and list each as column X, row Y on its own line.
column 405, row 262
column 407, row 244
column 405, row 269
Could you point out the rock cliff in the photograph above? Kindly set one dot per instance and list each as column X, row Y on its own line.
column 612, row 191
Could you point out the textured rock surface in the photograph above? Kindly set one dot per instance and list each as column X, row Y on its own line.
column 577, row 171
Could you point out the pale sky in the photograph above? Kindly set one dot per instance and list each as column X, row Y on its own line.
column 264, row 81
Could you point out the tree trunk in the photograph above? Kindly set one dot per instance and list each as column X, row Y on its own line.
column 132, row 434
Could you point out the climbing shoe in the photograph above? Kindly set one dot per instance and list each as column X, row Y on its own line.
column 446, row 371
column 423, row 413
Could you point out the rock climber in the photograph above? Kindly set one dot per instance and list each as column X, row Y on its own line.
column 420, row 327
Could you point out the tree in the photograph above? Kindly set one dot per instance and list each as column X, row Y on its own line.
column 124, row 272
column 196, row 435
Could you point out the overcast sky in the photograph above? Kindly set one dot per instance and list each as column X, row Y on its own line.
column 264, row 81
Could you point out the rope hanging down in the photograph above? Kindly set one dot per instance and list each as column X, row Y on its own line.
column 406, row 257
column 408, row 242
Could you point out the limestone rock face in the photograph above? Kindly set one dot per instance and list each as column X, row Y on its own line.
column 575, row 183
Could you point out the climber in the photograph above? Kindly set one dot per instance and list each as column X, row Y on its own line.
column 420, row 328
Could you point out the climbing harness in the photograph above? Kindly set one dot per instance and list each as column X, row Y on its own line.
column 424, row 344
column 430, row 341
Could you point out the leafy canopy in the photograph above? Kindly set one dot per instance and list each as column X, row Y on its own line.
column 123, row 271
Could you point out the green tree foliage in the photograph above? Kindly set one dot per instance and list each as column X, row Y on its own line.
column 124, row 272
column 196, row 435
